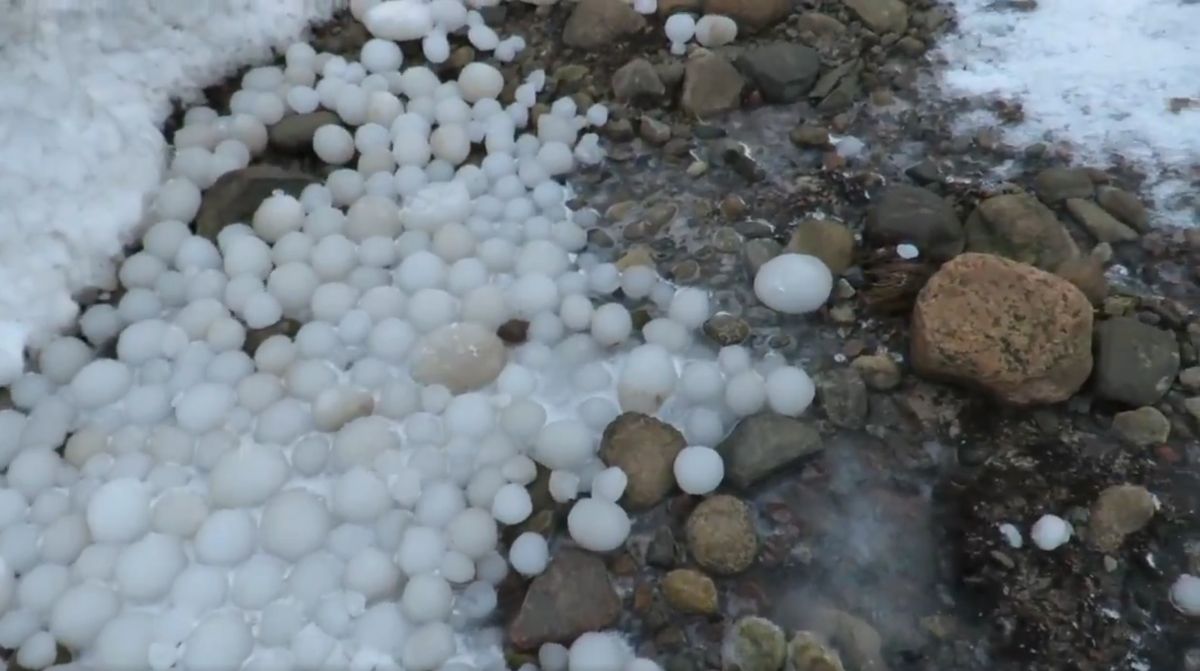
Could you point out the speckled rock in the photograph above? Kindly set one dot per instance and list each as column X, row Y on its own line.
column 637, row 79
column 828, row 240
column 294, row 133
column 1120, row 510
column 645, row 448
column 807, row 652
column 1021, row 334
column 725, row 329
column 236, row 195
column 690, row 591
column 843, row 397
column 1124, row 206
column 784, row 71
column 754, row 644
column 881, row 373
column 721, row 536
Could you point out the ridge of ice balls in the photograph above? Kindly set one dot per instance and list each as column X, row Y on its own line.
column 793, row 283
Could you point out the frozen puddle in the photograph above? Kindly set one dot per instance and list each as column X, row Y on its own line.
column 1110, row 77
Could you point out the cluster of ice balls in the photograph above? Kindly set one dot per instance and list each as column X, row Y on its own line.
column 335, row 498
column 710, row 30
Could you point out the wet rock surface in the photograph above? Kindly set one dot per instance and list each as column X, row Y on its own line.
column 918, row 216
column 551, row 611
column 645, row 448
column 1135, row 362
column 762, row 444
column 721, row 536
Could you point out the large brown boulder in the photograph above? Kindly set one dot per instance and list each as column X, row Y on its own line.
column 1020, row 333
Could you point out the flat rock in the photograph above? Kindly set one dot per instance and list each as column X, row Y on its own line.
column 235, row 196
column 784, row 71
column 1135, row 362
column 843, row 396
column 637, row 79
column 1143, row 427
column 295, row 133
column 554, row 608
column 711, row 85
column 1124, row 206
column 1120, row 510
column 764, row 443
column 1019, row 227
column 595, row 24
column 645, row 448
column 881, row 16
column 906, row 213
column 1087, row 273
column 1102, row 225
column 721, row 535
column 1019, row 333
column 1055, row 185
column 750, row 15
column 828, row 240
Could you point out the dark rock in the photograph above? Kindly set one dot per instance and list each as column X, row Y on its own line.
column 661, row 552
column 295, row 133
column 654, row 131
column 919, row 216
column 1102, row 225
column 237, row 194
column 1018, row 227
column 711, row 85
column 551, row 611
column 596, row 24
column 819, row 25
column 725, row 329
column 1143, row 427
column 645, row 448
column 721, row 535
column 828, row 240
column 924, row 173
column 1124, row 206
column 881, row 16
column 1055, row 185
column 1135, row 362
column 784, row 71
column 514, row 331
column 750, row 15
column 843, row 396
column 637, row 79
column 810, row 136
column 764, row 443
column 670, row 74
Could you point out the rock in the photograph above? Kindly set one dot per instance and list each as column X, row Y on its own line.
column 1055, row 185
column 1143, row 427
column 690, row 591
column 764, row 443
column 721, row 535
column 911, row 214
column 1021, row 334
column 819, row 25
column 295, row 133
column 925, row 172
column 236, row 195
column 810, row 136
column 645, row 448
column 843, row 395
column 725, row 329
column 596, row 24
column 661, row 551
column 807, row 652
column 1135, row 362
column 1119, row 511
column 1189, row 378
column 710, row 85
column 838, row 88
column 750, row 15
column 1124, row 206
column 1086, row 273
column 830, row 241
column 880, row 372
column 784, row 71
column 1192, row 406
column 653, row 131
column 637, row 79
column 668, row 7
column 753, row 644
column 1017, row 226
column 881, row 16
column 858, row 643
column 757, row 252
column 551, row 612
column 1102, row 225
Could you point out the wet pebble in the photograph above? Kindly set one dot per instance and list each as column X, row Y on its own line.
column 690, row 591
column 754, row 644
column 1143, row 427
column 879, row 372
column 725, row 329
column 721, row 535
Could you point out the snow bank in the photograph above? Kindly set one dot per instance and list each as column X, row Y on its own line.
column 1099, row 74
column 83, row 92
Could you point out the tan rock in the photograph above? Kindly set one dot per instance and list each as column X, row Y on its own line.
column 881, row 16
column 721, row 535
column 1020, row 227
column 1020, row 333
column 645, row 448
column 711, row 85
column 751, row 15
column 1119, row 511
column 690, row 591
column 830, row 241
column 1087, row 273
column 594, row 24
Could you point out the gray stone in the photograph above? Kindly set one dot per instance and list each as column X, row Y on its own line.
column 654, row 131
column 637, row 79
column 1124, row 206
column 711, row 85
column 295, row 133
column 1190, row 378
column 911, row 214
column 595, row 24
column 1143, row 427
column 1055, row 185
column 1102, row 225
column 1018, row 227
column 843, row 396
column 757, row 252
column 237, row 194
column 1135, row 362
column 551, row 612
column 764, row 443
column 881, row 16
column 784, row 71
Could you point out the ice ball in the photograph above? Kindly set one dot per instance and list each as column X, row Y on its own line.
column 793, row 283
column 698, row 469
column 1050, row 531
column 598, row 525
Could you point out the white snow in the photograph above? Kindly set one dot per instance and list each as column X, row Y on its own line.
column 1099, row 74
column 85, row 90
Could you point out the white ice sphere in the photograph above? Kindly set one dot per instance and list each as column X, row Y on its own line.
column 564, row 486
column 427, row 598
column 294, row 523
column 81, row 612
column 473, row 533
column 480, row 80
column 689, row 307
column 564, row 444
column 359, row 495
column 399, row 20
column 100, row 382
column 333, row 144
column 222, row 640
column 428, row 647
column 789, row 390
column 1012, row 535
column 379, row 55
column 277, row 215
column 119, row 511
column 38, row 651
column 177, row 199
column 599, row 651
column 38, row 588
column 715, row 30
column 680, row 27
column 611, row 324
column 698, row 469
column 371, row 573
column 553, row 657
column 247, row 476
column 1050, row 531
column 793, row 283
column 145, row 570
column 226, row 538
column 529, row 554
column 204, row 407
column 646, row 379
column 421, row 550
column 746, row 393
column 643, row 664
column 372, row 216
column 435, row 46
column 1185, row 595
column 597, row 525
column 125, row 642
column 512, row 504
